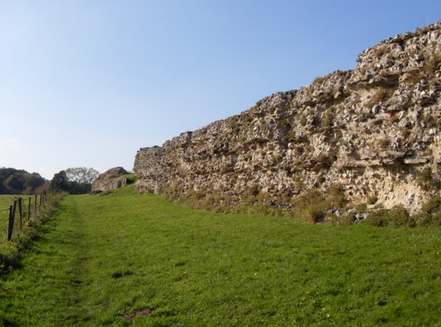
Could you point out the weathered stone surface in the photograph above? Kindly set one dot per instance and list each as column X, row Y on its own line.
column 111, row 179
column 371, row 129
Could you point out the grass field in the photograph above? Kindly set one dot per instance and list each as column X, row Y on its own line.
column 137, row 260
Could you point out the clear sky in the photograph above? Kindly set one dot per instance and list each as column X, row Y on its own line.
column 86, row 83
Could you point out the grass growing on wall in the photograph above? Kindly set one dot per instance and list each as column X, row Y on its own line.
column 126, row 259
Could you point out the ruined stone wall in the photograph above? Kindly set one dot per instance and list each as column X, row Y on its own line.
column 109, row 180
column 374, row 130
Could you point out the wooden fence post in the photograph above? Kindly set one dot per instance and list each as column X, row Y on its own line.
column 20, row 213
column 35, row 207
column 10, row 223
column 29, row 208
column 14, row 207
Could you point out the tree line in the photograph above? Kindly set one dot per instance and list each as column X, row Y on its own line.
column 71, row 180
column 15, row 181
column 74, row 180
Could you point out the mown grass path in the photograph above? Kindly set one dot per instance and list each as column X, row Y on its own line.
column 127, row 259
column 49, row 279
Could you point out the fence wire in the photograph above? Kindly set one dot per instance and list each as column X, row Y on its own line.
column 22, row 208
column 4, row 219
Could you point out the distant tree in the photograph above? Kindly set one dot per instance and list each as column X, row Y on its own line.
column 14, row 181
column 59, row 182
column 81, row 179
column 2, row 185
column 74, row 180
column 33, row 180
column 82, row 175
column 45, row 187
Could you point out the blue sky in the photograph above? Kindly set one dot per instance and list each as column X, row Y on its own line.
column 86, row 83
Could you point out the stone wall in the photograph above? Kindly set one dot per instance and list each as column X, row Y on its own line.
column 374, row 130
column 111, row 179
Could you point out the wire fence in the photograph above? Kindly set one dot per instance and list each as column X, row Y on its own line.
column 21, row 211
column 4, row 217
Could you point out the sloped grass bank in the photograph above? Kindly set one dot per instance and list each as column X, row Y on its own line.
column 126, row 259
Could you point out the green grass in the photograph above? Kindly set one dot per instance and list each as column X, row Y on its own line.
column 126, row 259
column 6, row 200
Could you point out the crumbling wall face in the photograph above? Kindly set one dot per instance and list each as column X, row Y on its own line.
column 374, row 130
